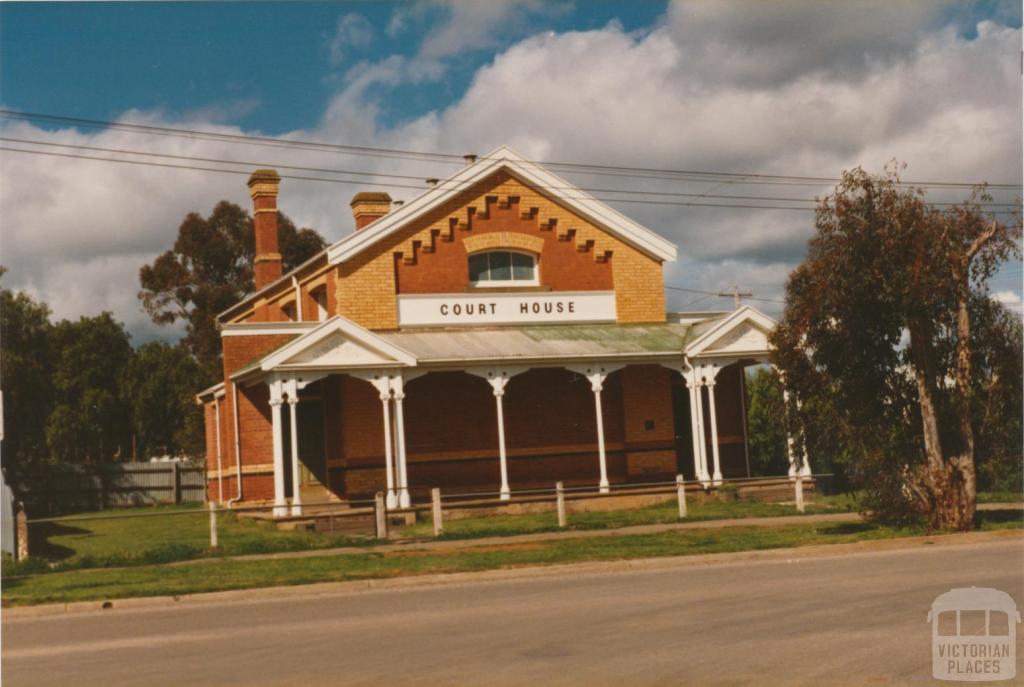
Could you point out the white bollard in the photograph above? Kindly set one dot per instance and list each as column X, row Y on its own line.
column 681, row 495
column 435, row 509
column 213, row 525
column 798, row 487
column 380, row 516
column 560, row 499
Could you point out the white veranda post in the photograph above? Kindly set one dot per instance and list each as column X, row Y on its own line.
column 498, row 379
column 596, row 376
column 498, row 385
column 292, row 389
column 597, row 384
column 402, row 473
column 700, row 458
column 710, row 372
column 277, row 435
column 385, row 399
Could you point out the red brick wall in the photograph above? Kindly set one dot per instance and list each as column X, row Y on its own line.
column 446, row 270
column 649, row 423
column 552, row 406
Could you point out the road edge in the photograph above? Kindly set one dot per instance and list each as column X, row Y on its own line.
column 513, row 573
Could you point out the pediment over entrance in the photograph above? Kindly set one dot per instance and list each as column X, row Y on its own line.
column 338, row 344
column 745, row 332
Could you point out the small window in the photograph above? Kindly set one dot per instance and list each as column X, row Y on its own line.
column 502, row 268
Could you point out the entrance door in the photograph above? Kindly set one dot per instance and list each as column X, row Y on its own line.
column 312, row 466
column 683, row 430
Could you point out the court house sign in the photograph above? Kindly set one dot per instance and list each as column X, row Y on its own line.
column 505, row 308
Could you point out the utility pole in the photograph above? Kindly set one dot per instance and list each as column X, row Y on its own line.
column 736, row 295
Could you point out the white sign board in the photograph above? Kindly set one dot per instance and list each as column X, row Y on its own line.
column 465, row 309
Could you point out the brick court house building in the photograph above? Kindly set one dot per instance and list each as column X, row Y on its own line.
column 502, row 331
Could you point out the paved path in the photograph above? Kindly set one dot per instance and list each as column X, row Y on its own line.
column 851, row 618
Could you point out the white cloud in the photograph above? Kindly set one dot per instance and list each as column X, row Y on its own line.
column 77, row 231
column 454, row 27
column 1011, row 300
column 353, row 30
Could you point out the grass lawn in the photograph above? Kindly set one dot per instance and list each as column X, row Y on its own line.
column 180, row 533
column 173, row 533
column 188, row 578
column 177, row 533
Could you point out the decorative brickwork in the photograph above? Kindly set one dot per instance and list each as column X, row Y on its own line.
column 430, row 255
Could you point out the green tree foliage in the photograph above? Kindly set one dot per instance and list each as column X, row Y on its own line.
column 91, row 420
column 998, row 346
column 765, row 425
column 159, row 384
column 27, row 385
column 208, row 270
column 877, row 341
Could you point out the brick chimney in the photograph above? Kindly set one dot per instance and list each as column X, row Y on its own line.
column 263, row 187
column 368, row 206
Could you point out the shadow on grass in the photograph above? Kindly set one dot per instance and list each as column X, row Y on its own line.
column 40, row 534
column 998, row 517
column 841, row 528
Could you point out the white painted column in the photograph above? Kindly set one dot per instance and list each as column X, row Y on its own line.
column 402, row 476
column 597, row 384
column 498, row 385
column 695, row 430
column 293, row 402
column 701, row 439
column 390, row 500
column 498, row 378
column 280, row 504
column 717, row 477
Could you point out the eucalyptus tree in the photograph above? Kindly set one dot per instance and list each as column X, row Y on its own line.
column 878, row 325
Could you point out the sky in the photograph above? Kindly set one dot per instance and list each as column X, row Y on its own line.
column 782, row 87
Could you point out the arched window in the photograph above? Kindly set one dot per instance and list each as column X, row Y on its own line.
column 502, row 268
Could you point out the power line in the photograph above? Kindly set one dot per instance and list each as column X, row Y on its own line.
column 451, row 158
column 365, row 173
column 719, row 295
column 458, row 186
column 147, row 163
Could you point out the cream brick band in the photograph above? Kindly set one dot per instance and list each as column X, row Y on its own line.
column 268, row 257
column 503, row 239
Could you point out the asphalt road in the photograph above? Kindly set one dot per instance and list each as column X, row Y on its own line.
column 845, row 619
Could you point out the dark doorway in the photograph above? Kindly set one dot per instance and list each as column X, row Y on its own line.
column 683, row 431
